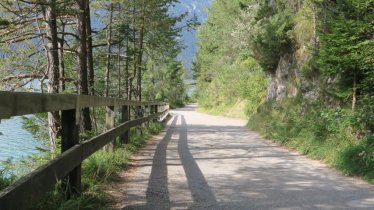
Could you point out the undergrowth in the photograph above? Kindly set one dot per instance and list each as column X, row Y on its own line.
column 334, row 135
column 6, row 176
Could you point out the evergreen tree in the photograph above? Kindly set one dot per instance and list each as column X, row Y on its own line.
column 347, row 49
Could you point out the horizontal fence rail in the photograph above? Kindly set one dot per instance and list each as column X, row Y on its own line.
column 21, row 103
column 67, row 166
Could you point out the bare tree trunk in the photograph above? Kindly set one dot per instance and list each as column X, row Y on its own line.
column 139, row 61
column 119, row 73
column 53, row 69
column 127, row 67
column 315, row 28
column 109, row 49
column 82, row 61
column 354, row 92
column 62, row 85
column 134, row 55
column 140, row 56
column 90, row 63
column 61, row 59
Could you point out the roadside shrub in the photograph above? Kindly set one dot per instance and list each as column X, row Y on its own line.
column 358, row 158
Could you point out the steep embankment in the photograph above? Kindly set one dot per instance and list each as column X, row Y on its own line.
column 304, row 69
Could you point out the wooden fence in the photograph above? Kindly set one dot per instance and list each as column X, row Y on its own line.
column 67, row 166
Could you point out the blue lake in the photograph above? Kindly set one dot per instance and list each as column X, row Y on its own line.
column 15, row 142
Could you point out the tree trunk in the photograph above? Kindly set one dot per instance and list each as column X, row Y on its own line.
column 53, row 69
column 140, row 56
column 82, row 61
column 134, row 54
column 315, row 28
column 61, row 59
column 127, row 68
column 109, row 46
column 119, row 68
column 90, row 63
column 354, row 92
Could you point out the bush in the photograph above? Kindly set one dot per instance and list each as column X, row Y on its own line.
column 358, row 158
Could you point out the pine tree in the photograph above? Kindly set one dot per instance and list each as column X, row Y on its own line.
column 347, row 49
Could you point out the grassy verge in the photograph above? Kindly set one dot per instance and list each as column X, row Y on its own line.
column 97, row 170
column 228, row 110
column 334, row 136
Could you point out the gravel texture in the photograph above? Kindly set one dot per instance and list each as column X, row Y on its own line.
column 208, row 162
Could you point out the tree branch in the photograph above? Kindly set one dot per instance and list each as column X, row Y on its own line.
column 31, row 76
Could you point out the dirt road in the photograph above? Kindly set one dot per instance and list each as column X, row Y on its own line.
column 208, row 162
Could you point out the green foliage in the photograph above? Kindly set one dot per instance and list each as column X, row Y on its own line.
column 4, row 23
column 323, row 133
column 347, row 48
column 271, row 35
column 56, row 199
column 365, row 115
column 358, row 158
column 225, row 72
column 165, row 82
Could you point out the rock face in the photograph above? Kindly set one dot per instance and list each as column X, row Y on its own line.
column 282, row 82
column 294, row 75
column 287, row 80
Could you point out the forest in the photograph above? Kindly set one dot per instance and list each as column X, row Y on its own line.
column 120, row 48
column 124, row 49
column 300, row 71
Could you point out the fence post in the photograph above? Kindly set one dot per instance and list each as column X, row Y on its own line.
column 156, row 111
column 139, row 114
column 70, row 137
column 109, row 124
column 152, row 109
column 125, row 117
column 147, row 113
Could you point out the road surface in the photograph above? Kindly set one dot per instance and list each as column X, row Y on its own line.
column 208, row 162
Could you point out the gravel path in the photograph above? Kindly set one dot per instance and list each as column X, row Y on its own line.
column 207, row 162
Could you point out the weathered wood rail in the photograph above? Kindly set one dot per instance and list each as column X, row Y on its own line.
column 67, row 166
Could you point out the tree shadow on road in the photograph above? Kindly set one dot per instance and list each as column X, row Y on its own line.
column 201, row 192
column 157, row 191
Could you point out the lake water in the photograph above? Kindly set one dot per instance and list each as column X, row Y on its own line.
column 15, row 142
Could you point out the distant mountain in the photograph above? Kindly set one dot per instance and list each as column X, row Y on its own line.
column 199, row 9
